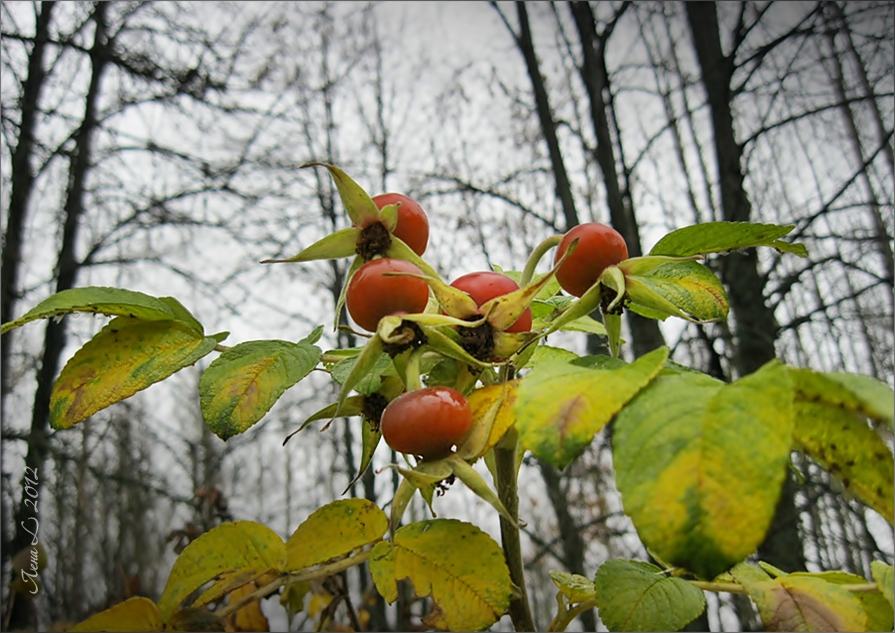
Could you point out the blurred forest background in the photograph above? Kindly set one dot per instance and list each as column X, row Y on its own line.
column 156, row 147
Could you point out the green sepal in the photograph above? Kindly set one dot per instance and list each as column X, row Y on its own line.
column 400, row 250
column 587, row 303
column 351, row 407
column 614, row 278
column 473, row 480
column 356, row 263
column 443, row 343
column 366, row 360
column 342, row 243
column 388, row 215
column 358, row 203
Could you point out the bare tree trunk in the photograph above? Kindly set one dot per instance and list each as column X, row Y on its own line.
column 645, row 332
column 836, row 22
column 66, row 270
column 756, row 326
column 573, row 546
column 545, row 116
column 22, row 177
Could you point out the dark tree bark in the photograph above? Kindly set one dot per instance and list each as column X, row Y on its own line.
column 22, row 176
column 756, row 326
column 66, row 269
column 645, row 332
column 573, row 546
column 545, row 117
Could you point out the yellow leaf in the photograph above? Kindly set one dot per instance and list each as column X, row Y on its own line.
column 800, row 603
column 126, row 356
column 492, row 417
column 250, row 617
column 231, row 547
column 335, row 530
column 193, row 619
column 318, row 602
column 135, row 614
column 456, row 563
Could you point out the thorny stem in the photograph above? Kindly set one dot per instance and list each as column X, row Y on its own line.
column 529, row 271
column 505, row 461
column 291, row 578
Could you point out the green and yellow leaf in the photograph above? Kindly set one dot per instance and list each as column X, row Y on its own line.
column 637, row 596
column 244, row 382
column 700, row 464
column 240, row 546
column 574, row 587
column 134, row 614
column 126, row 356
column 802, row 603
column 334, row 530
column 883, row 576
column 876, row 607
column 560, row 406
column 250, row 617
column 685, row 289
column 98, row 300
column 832, row 412
column 492, row 416
column 455, row 563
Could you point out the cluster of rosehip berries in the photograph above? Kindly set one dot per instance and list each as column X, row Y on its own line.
column 430, row 421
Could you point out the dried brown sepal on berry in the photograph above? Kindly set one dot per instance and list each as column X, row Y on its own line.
column 374, row 241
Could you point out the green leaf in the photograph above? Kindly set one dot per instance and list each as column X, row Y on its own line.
column 883, row 576
column 716, row 237
column 239, row 546
column 313, row 337
column 585, row 324
column 109, row 301
column 243, row 383
column 601, row 361
column 335, row 530
column 801, row 603
column 560, row 407
column 547, row 354
column 371, row 382
column 700, row 464
column 831, row 427
column 460, row 566
column 126, row 356
column 186, row 317
column 134, row 614
column 334, row 246
column 574, row 587
column 684, row 289
column 637, row 596
column 358, row 203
